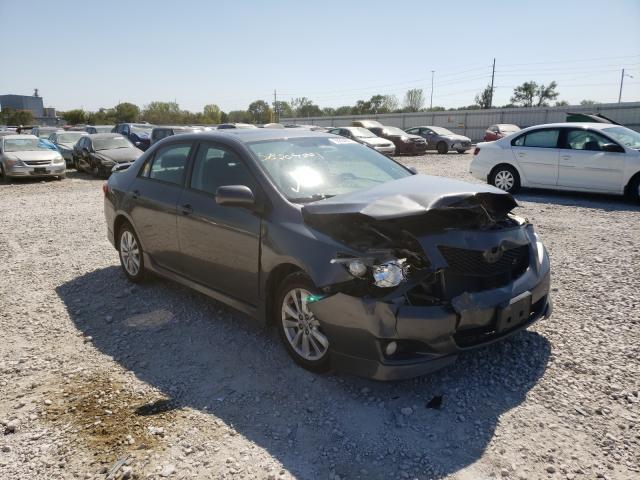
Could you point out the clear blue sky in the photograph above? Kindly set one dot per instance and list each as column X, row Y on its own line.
column 95, row 54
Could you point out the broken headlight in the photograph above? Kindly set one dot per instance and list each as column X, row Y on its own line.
column 390, row 274
column 386, row 274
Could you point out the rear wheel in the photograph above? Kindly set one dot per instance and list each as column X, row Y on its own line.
column 461, row 151
column 3, row 175
column 130, row 251
column 442, row 148
column 506, row 178
column 299, row 330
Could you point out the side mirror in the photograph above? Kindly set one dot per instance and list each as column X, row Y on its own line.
column 612, row 147
column 235, row 196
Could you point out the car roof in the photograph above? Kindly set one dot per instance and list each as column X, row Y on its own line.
column 19, row 137
column 105, row 135
column 594, row 125
column 248, row 135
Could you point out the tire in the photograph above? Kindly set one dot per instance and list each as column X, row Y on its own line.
column 634, row 189
column 62, row 177
column 461, row 151
column 506, row 178
column 132, row 263
column 304, row 332
column 442, row 148
column 4, row 178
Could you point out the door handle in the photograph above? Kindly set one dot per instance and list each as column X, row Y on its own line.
column 565, row 157
column 135, row 194
column 522, row 154
column 186, row 209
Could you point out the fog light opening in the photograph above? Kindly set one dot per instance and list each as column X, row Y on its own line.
column 391, row 348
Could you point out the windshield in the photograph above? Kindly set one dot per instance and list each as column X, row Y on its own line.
column 141, row 128
column 362, row 132
column 111, row 143
column 308, row 169
column 70, row 137
column 106, row 129
column 23, row 145
column 627, row 137
column 442, row 131
column 394, row 131
column 45, row 133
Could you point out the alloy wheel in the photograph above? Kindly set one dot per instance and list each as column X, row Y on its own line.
column 130, row 253
column 301, row 328
column 504, row 180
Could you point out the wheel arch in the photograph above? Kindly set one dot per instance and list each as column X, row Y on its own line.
column 521, row 177
column 120, row 220
column 274, row 279
column 633, row 178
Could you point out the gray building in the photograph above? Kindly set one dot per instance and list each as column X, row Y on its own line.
column 23, row 102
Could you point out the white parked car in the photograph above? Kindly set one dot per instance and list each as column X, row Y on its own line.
column 588, row 157
column 27, row 156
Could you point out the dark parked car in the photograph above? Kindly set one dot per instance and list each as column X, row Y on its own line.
column 499, row 130
column 65, row 142
column 100, row 152
column 138, row 133
column 228, row 126
column 98, row 128
column 158, row 133
column 405, row 143
column 441, row 139
column 358, row 262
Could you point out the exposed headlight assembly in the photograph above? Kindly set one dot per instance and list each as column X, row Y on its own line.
column 58, row 159
column 387, row 274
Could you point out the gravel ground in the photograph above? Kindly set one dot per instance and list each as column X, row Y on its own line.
column 156, row 381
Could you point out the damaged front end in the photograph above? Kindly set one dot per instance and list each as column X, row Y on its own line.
column 436, row 274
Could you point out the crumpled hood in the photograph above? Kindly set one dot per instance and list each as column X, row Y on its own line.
column 35, row 155
column 412, row 196
column 120, row 155
column 375, row 141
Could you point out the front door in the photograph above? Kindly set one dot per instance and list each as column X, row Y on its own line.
column 220, row 245
column 536, row 152
column 154, row 196
column 584, row 165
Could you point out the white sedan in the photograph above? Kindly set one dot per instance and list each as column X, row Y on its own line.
column 587, row 157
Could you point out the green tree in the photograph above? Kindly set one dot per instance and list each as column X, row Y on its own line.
column 588, row 102
column 362, row 107
column 239, row 116
column 126, row 112
column 260, row 111
column 75, row 117
column 484, row 98
column 414, row 100
column 328, row 111
column 17, row 117
column 344, row 110
column 530, row 93
column 282, row 109
column 163, row 112
column 212, row 113
column 303, row 107
column 562, row 103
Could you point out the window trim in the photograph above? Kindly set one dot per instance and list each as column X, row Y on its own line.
column 257, row 191
column 536, row 130
column 152, row 159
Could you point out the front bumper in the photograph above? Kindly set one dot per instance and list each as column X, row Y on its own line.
column 386, row 150
column 51, row 170
column 459, row 145
column 429, row 337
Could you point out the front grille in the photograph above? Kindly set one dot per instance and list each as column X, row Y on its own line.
column 418, row 140
column 476, row 263
column 466, row 144
column 37, row 162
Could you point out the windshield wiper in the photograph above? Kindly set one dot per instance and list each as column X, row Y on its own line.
column 313, row 198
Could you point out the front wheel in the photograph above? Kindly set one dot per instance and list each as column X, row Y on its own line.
column 130, row 252
column 442, row 148
column 299, row 330
column 634, row 189
column 506, row 178
column 461, row 151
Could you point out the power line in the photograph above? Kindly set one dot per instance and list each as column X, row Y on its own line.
column 570, row 61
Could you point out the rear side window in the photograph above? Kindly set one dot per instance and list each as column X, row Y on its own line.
column 215, row 166
column 539, row 139
column 168, row 164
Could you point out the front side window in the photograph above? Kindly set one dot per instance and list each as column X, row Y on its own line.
column 539, row 139
column 215, row 167
column 169, row 164
column 627, row 137
column 308, row 169
column 585, row 140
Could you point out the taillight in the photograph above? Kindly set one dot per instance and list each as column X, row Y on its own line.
column 105, row 188
column 476, row 151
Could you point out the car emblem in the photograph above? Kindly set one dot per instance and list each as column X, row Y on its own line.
column 492, row 255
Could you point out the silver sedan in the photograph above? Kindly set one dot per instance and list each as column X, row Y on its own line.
column 26, row 156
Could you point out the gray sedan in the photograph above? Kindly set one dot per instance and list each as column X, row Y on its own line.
column 64, row 142
column 441, row 139
column 364, row 136
column 26, row 156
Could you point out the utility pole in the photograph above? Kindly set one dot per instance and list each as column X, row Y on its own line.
column 493, row 74
column 621, row 82
column 275, row 106
column 431, row 101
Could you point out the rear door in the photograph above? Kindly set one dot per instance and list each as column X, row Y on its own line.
column 220, row 245
column 537, row 152
column 584, row 165
column 154, row 195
